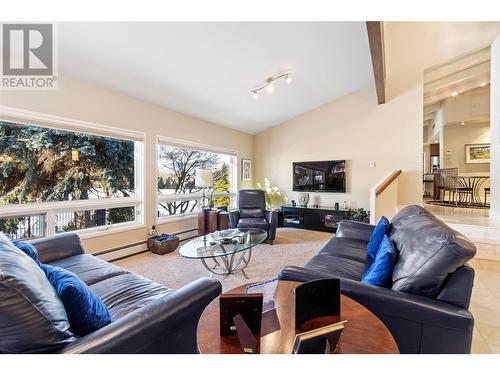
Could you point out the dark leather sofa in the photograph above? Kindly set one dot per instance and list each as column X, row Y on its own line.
column 437, row 322
column 252, row 213
column 147, row 317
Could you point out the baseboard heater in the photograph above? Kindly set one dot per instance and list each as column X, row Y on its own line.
column 138, row 247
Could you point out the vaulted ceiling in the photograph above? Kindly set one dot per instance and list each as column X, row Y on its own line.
column 457, row 76
column 208, row 69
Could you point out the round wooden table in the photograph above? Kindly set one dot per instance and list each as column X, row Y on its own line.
column 364, row 333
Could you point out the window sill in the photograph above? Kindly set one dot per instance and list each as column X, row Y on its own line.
column 94, row 232
column 173, row 219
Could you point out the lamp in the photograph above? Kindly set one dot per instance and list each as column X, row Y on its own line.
column 204, row 179
column 268, row 84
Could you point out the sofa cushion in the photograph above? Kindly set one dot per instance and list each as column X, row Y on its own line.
column 86, row 313
column 251, row 203
column 346, row 248
column 380, row 272
column 377, row 236
column 89, row 268
column 125, row 293
column 32, row 317
column 405, row 214
column 337, row 266
column 428, row 251
column 251, row 212
column 258, row 223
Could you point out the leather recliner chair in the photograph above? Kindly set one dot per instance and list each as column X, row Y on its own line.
column 252, row 213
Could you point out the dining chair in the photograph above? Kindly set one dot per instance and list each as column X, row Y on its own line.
column 455, row 187
column 487, row 191
column 440, row 184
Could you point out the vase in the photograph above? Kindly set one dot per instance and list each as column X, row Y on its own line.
column 304, row 199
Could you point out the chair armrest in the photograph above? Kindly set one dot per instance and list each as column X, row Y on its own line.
column 272, row 219
column 354, row 230
column 234, row 217
column 167, row 325
column 57, row 247
column 457, row 288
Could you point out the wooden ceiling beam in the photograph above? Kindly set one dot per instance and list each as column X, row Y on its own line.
column 376, row 40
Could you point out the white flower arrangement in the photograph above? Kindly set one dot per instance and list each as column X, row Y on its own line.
column 274, row 197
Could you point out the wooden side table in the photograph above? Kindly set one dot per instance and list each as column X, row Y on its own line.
column 364, row 333
column 211, row 220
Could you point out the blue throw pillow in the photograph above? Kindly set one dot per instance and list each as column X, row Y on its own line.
column 377, row 236
column 29, row 250
column 86, row 312
column 380, row 271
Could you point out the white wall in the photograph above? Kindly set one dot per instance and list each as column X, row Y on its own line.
column 354, row 128
column 84, row 101
column 495, row 129
column 455, row 137
column 470, row 106
column 386, row 203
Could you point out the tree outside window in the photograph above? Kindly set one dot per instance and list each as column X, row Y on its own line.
column 49, row 165
column 176, row 176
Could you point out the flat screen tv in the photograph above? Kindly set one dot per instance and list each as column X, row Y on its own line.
column 319, row 176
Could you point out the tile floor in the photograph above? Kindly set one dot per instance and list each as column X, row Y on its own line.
column 485, row 303
column 460, row 215
column 485, row 306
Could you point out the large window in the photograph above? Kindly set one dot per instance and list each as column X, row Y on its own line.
column 54, row 180
column 177, row 164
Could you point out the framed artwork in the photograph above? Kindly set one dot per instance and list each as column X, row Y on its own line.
column 477, row 153
column 246, row 170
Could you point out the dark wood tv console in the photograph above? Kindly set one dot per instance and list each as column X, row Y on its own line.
column 315, row 218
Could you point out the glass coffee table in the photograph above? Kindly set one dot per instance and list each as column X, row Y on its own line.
column 225, row 252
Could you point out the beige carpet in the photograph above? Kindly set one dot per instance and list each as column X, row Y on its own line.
column 291, row 247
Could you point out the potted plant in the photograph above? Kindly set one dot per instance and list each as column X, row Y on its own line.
column 360, row 215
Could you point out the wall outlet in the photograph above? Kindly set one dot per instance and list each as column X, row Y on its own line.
column 372, row 164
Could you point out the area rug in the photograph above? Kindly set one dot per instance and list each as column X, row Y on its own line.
column 291, row 247
column 454, row 205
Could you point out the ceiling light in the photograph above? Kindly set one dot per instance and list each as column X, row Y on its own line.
column 462, row 122
column 483, row 84
column 455, row 93
column 269, row 86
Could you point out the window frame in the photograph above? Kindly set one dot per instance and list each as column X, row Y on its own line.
column 175, row 142
column 50, row 209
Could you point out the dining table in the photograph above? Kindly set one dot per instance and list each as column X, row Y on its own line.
column 474, row 183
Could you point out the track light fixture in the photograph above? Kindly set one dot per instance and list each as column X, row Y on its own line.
column 269, row 84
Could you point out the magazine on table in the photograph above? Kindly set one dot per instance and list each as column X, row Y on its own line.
column 227, row 235
column 268, row 290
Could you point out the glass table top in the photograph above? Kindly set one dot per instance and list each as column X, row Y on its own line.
column 222, row 243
